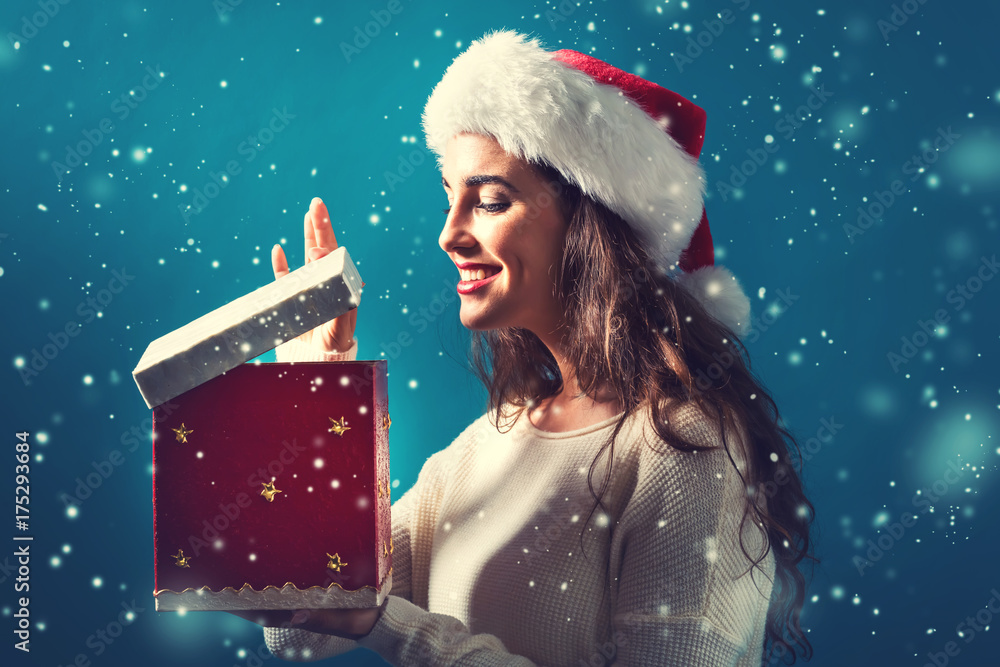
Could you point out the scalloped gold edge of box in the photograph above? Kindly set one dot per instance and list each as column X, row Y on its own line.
column 284, row 597
column 241, row 589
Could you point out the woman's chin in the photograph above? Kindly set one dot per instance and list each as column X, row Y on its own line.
column 474, row 319
column 473, row 324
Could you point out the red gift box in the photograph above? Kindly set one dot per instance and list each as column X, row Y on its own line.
column 271, row 489
column 270, row 481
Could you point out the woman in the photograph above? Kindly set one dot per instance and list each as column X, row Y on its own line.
column 573, row 187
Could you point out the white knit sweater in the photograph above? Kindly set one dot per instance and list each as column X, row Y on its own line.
column 488, row 568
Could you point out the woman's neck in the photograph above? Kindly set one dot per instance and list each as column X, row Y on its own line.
column 558, row 413
column 571, row 409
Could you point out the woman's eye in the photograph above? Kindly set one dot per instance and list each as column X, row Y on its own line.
column 493, row 208
column 489, row 208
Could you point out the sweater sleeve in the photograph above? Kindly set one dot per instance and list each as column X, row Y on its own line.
column 296, row 350
column 410, row 635
column 681, row 599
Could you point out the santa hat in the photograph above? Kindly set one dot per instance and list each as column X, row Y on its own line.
column 624, row 141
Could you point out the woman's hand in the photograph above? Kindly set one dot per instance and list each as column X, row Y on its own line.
column 347, row 623
column 337, row 334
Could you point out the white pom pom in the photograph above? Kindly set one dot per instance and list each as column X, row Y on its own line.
column 721, row 294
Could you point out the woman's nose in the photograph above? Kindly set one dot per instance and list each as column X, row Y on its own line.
column 455, row 232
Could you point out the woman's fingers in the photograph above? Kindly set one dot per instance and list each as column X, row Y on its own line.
column 317, row 230
column 351, row 623
column 317, row 253
column 265, row 618
column 322, row 227
column 278, row 261
column 307, row 231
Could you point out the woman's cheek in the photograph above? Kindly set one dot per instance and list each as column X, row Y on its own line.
column 529, row 210
column 519, row 227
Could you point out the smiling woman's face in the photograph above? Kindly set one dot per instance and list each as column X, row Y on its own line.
column 502, row 215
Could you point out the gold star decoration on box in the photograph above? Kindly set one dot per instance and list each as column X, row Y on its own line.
column 269, row 491
column 335, row 563
column 385, row 549
column 180, row 560
column 183, row 433
column 380, row 494
column 338, row 426
column 386, row 421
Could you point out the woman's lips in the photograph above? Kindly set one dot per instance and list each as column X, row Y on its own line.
column 467, row 286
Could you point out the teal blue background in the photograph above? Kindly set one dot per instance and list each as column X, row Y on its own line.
column 823, row 356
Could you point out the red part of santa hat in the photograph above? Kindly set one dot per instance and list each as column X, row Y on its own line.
column 680, row 117
column 624, row 141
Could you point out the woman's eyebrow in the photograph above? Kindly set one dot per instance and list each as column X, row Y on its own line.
column 482, row 179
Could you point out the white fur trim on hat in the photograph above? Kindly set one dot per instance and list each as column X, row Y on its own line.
column 721, row 294
column 541, row 109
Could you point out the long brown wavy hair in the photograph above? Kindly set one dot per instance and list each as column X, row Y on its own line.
column 633, row 329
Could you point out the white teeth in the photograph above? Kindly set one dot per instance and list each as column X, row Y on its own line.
column 478, row 274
